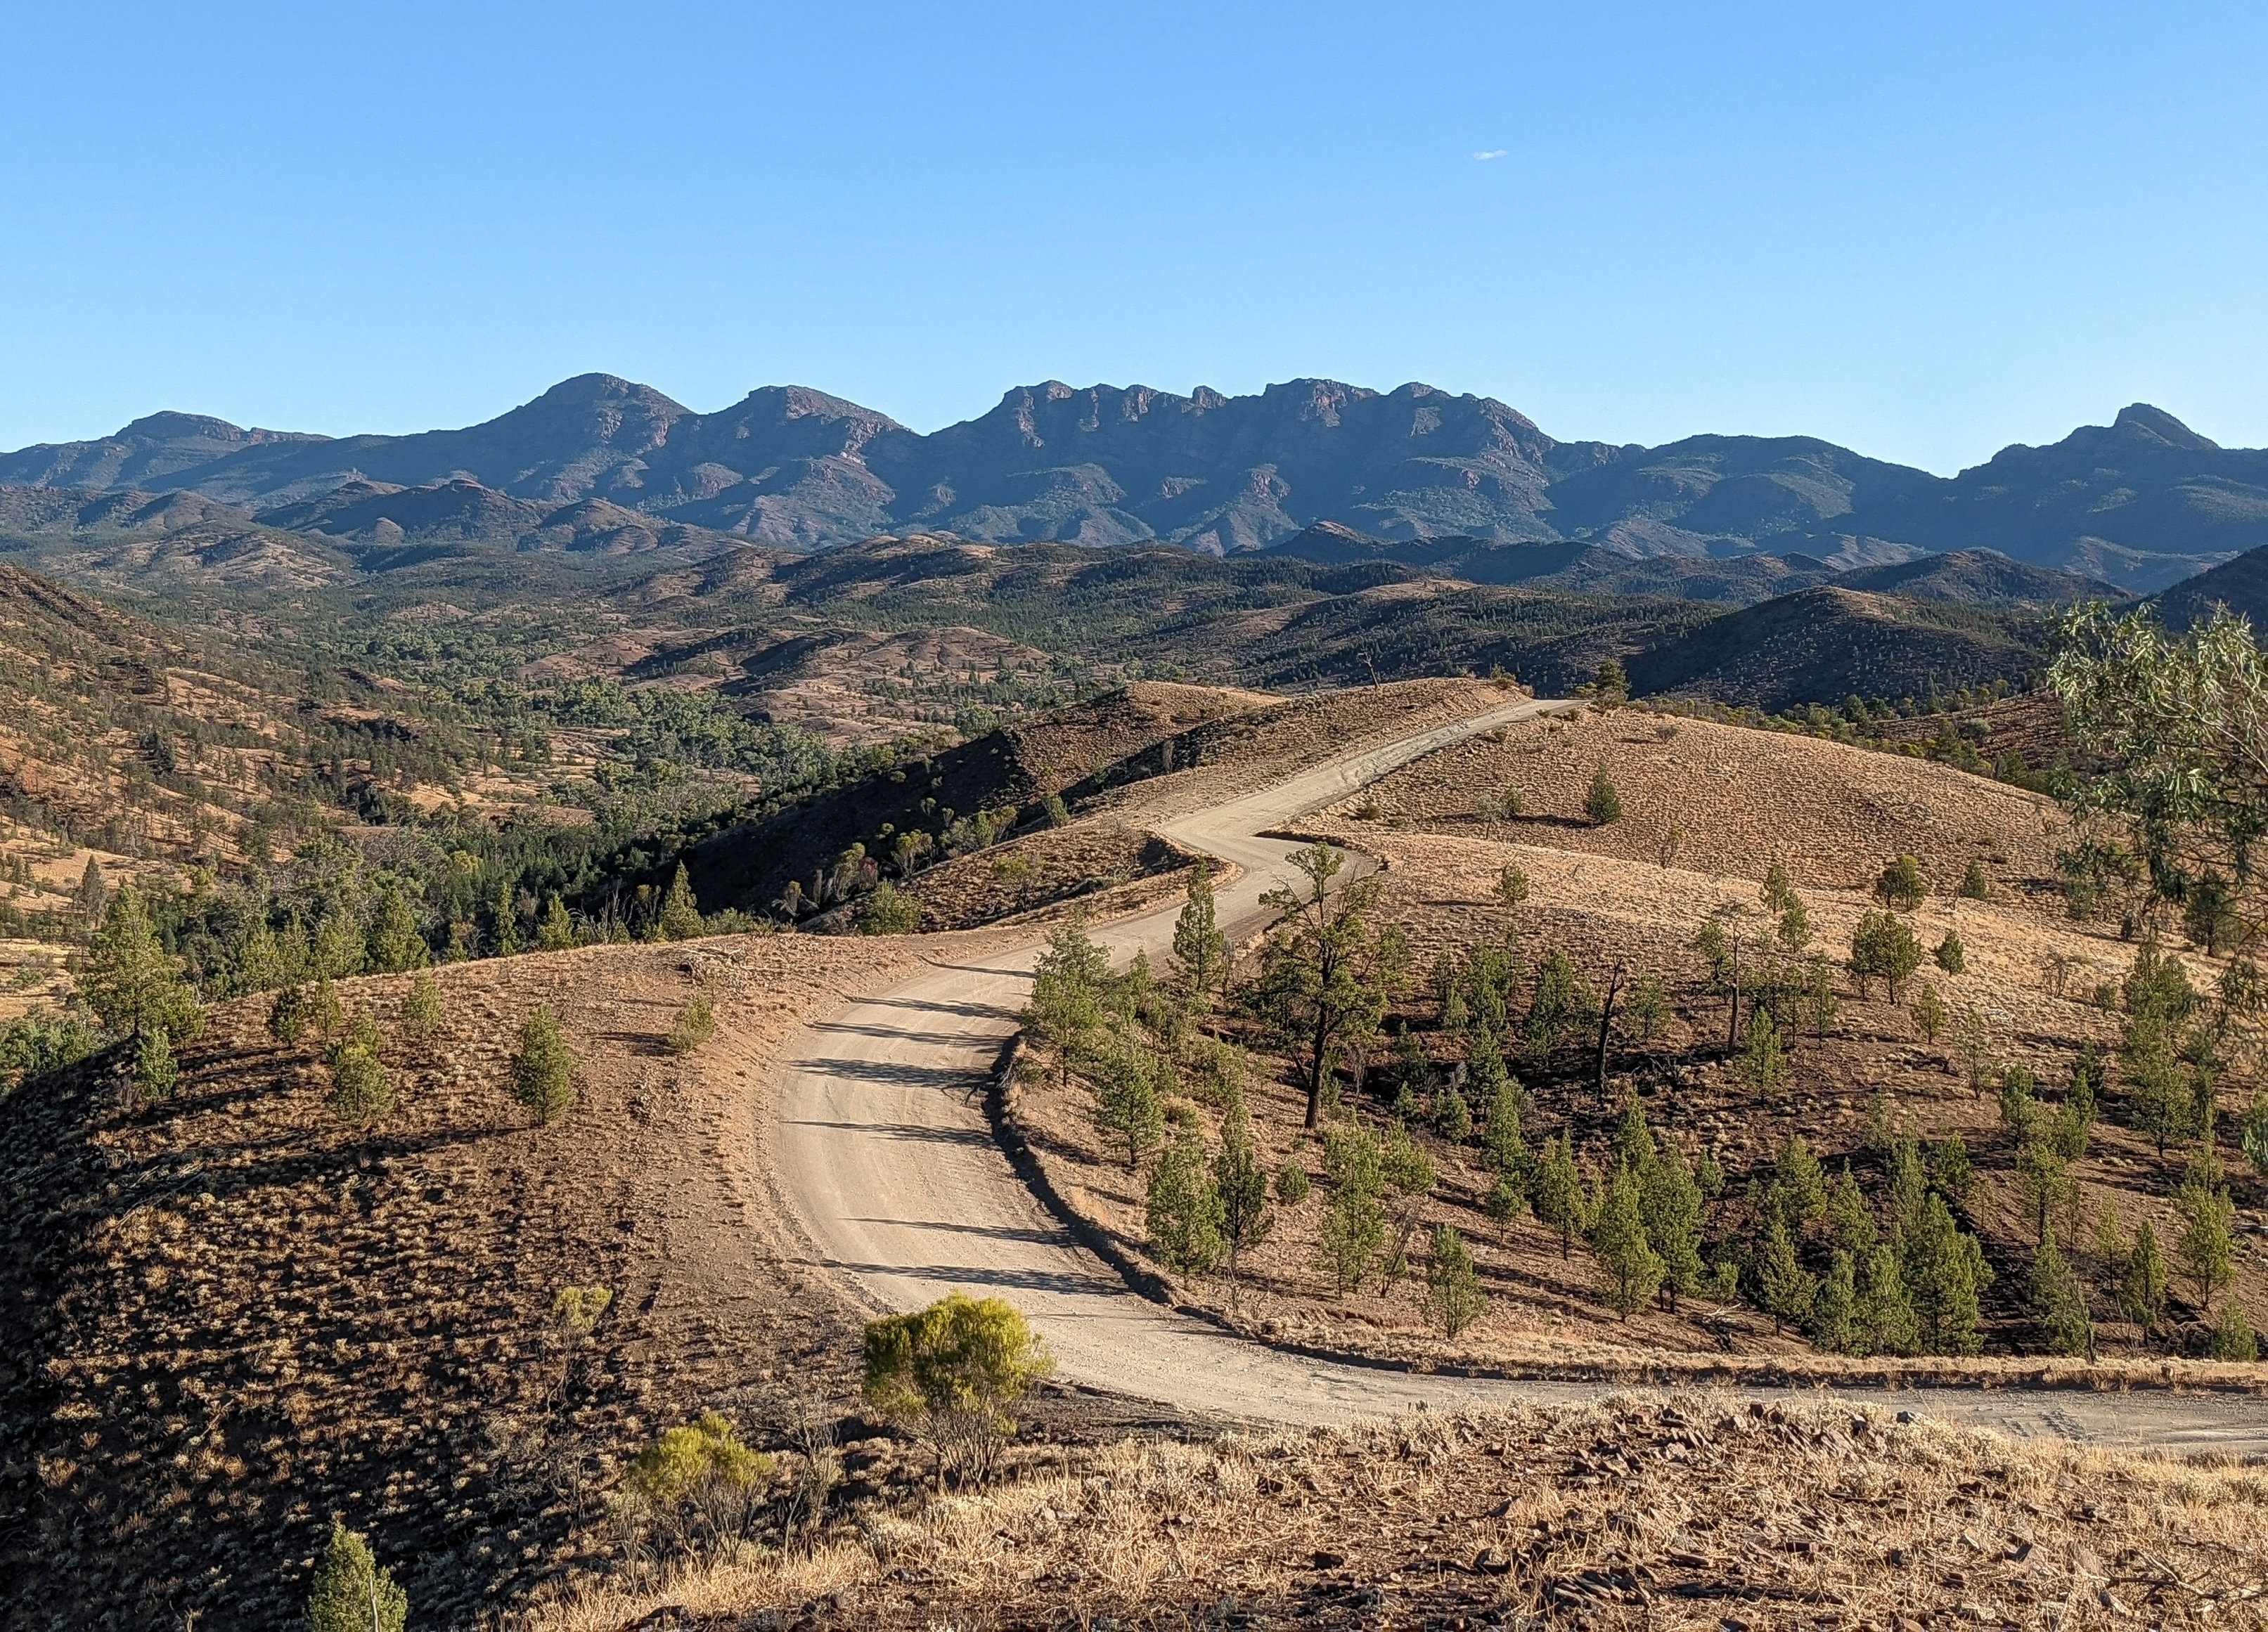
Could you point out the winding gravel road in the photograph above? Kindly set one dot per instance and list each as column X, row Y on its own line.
column 887, row 1161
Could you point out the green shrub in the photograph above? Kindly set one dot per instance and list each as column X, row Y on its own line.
column 1974, row 885
column 695, row 1023
column 673, row 1469
column 1603, row 803
column 351, row 1593
column 33, row 1044
column 543, row 1068
column 889, row 911
column 1951, row 956
column 2233, row 1339
column 955, row 1372
column 1291, row 1184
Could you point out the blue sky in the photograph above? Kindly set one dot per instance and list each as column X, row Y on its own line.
column 1922, row 230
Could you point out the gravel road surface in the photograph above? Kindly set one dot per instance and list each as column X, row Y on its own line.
column 888, row 1163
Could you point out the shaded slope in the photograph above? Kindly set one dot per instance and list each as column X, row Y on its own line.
column 1828, row 642
column 2242, row 585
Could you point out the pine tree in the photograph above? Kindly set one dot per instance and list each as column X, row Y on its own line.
column 2205, row 1251
column 1778, row 889
column 1241, row 1184
column 1354, row 1219
column 351, row 1593
column 2044, row 1181
column 1067, row 1002
column 361, row 1093
column 93, row 897
column 1200, row 949
column 289, row 1016
column 324, row 1013
column 421, row 1009
column 1950, row 1167
column 680, row 913
column 556, row 930
column 1764, row 1063
column 1129, row 1108
column 1784, row 1289
column 395, row 943
column 1885, row 1316
column 1849, row 1218
column 1794, row 927
column 1929, row 1014
column 1634, row 1147
column 1629, row 1270
column 1801, row 1183
column 1945, row 1273
column 1505, row 1205
column 2233, row 1338
column 258, row 958
column 1184, row 1213
column 1453, row 1288
column 1558, row 1193
column 1502, row 1145
column 127, row 978
column 1835, row 1324
column 1902, row 887
column 2142, row 1282
column 1671, row 1205
column 155, row 1072
column 2059, row 1302
column 341, row 948
column 1950, row 955
column 543, row 1068
column 504, row 921
column 1974, row 886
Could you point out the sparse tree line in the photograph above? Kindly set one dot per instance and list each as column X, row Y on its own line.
column 1885, row 1268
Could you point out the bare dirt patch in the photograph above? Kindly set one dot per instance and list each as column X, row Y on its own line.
column 1738, row 799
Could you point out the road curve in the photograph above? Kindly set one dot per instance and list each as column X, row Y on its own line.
column 887, row 1161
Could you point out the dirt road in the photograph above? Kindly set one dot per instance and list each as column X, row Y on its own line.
column 887, row 1160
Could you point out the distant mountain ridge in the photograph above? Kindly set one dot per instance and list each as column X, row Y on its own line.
column 2141, row 503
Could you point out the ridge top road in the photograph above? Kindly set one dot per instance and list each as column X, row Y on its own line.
column 886, row 1159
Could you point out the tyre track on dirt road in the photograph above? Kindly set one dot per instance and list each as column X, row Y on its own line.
column 887, row 1159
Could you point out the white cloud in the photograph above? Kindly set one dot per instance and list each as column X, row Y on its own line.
column 1494, row 152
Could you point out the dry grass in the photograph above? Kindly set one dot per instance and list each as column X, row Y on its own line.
column 1740, row 799
column 1692, row 1512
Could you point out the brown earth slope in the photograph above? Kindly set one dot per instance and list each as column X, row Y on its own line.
column 231, row 1316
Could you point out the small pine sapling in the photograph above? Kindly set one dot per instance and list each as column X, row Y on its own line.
column 543, row 1068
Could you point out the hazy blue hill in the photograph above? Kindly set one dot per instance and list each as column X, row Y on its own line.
column 2241, row 586
column 2141, row 503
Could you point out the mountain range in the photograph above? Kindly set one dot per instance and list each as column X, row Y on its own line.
column 605, row 464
